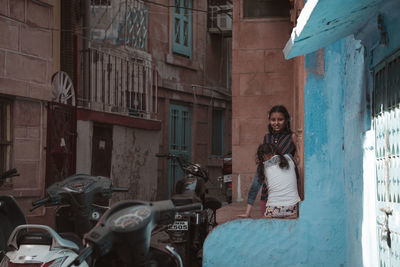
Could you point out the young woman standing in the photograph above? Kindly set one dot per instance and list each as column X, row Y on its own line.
column 281, row 136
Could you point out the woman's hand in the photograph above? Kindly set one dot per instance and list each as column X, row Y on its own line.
column 247, row 213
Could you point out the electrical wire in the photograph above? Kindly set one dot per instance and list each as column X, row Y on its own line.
column 173, row 6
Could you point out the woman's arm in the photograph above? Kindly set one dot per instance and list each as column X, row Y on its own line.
column 296, row 149
column 255, row 187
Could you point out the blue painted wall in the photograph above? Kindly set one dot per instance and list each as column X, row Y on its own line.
column 331, row 229
column 354, row 125
column 318, row 237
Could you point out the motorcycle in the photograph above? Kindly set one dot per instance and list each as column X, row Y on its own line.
column 126, row 228
column 79, row 200
column 11, row 215
column 189, row 229
column 226, row 178
column 39, row 246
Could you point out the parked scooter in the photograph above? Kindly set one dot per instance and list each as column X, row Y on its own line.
column 77, row 198
column 81, row 199
column 126, row 229
column 189, row 230
column 39, row 246
column 11, row 214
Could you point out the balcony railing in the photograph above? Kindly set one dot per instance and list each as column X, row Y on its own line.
column 121, row 84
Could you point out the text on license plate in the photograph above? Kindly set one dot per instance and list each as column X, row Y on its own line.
column 227, row 178
column 179, row 226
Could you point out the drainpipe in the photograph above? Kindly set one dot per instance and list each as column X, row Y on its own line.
column 86, row 44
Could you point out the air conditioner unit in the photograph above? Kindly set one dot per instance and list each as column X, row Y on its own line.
column 220, row 18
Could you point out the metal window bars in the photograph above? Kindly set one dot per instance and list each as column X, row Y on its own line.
column 121, row 84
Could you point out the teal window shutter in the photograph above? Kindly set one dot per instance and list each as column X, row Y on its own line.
column 179, row 141
column 182, row 28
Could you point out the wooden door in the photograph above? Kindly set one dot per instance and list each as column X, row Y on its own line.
column 61, row 142
column 102, row 149
column 179, row 141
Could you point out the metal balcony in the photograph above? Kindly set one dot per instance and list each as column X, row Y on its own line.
column 120, row 83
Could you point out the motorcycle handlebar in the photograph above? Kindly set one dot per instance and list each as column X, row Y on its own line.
column 36, row 204
column 9, row 173
column 189, row 207
column 121, row 189
column 86, row 252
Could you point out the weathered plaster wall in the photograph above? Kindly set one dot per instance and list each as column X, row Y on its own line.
column 354, row 112
column 370, row 35
column 84, row 146
column 362, row 242
column 134, row 163
column 317, row 238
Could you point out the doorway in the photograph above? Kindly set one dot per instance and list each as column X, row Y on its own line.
column 179, row 142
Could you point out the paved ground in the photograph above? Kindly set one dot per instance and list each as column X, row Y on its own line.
column 230, row 212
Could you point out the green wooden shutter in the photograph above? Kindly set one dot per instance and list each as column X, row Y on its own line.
column 179, row 141
column 182, row 28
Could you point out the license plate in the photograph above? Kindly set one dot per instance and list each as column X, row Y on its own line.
column 179, row 226
column 227, row 178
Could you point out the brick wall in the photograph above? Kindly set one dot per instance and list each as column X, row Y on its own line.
column 28, row 57
column 26, row 48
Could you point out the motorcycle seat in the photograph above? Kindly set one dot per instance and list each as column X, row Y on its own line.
column 212, row 203
column 184, row 199
column 34, row 238
column 44, row 238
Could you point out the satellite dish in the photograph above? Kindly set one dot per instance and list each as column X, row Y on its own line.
column 63, row 88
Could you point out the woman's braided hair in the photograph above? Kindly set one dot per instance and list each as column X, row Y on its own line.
column 268, row 149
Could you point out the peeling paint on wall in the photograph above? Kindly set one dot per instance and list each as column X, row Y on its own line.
column 134, row 164
column 316, row 63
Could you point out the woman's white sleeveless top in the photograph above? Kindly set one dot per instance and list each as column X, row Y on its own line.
column 282, row 183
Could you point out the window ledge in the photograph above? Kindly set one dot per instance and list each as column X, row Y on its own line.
column 266, row 19
column 84, row 114
column 181, row 61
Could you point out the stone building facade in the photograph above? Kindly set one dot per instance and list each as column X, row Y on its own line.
column 122, row 90
column 29, row 55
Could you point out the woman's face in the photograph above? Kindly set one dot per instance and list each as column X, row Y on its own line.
column 277, row 121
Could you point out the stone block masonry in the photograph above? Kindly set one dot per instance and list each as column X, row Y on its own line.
column 26, row 49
